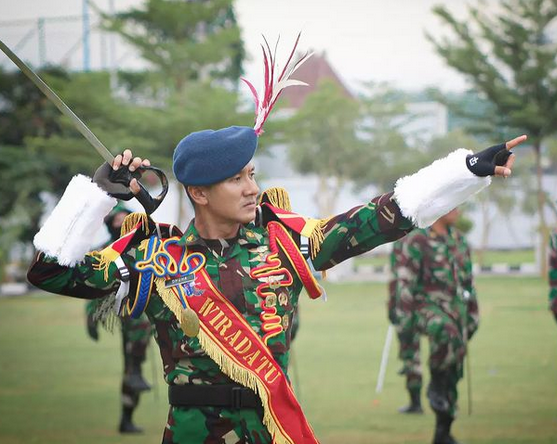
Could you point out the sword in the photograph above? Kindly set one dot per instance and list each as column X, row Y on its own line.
column 121, row 176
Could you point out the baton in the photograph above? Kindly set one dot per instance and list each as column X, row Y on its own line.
column 384, row 359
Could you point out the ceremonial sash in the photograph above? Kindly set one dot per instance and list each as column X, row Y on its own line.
column 228, row 339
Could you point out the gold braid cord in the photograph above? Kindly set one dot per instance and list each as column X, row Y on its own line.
column 277, row 197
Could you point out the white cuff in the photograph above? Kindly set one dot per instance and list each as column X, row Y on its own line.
column 436, row 189
column 70, row 229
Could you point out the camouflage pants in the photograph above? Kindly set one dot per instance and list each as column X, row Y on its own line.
column 210, row 425
column 135, row 338
column 409, row 354
column 447, row 348
column 446, row 343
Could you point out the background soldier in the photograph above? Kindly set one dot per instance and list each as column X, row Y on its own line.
column 136, row 334
column 404, row 318
column 434, row 277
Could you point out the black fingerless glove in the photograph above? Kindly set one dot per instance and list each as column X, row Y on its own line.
column 483, row 163
column 109, row 180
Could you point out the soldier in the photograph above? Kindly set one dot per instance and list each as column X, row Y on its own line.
column 136, row 334
column 404, row 320
column 222, row 294
column 434, row 283
column 553, row 274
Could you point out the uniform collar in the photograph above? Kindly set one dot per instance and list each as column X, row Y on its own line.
column 248, row 235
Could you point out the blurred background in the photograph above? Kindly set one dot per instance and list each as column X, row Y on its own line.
column 393, row 85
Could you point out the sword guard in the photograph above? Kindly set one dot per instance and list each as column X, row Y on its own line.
column 117, row 182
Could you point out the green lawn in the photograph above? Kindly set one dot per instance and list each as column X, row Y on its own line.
column 512, row 257
column 57, row 386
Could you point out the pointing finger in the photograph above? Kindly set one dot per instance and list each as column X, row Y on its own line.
column 516, row 141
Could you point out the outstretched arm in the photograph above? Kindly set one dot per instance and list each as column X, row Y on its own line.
column 417, row 200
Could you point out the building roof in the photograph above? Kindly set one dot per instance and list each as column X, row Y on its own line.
column 314, row 70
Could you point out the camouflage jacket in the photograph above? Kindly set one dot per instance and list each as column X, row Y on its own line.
column 553, row 273
column 228, row 263
column 428, row 268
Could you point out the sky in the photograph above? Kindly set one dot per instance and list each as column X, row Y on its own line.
column 364, row 40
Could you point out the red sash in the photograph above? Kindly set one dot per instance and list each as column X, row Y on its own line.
column 239, row 351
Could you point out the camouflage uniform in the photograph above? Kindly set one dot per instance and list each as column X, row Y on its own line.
column 553, row 274
column 405, row 321
column 228, row 263
column 435, row 293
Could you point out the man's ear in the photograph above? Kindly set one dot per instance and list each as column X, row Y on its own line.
column 198, row 194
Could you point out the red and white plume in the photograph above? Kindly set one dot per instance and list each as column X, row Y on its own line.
column 264, row 105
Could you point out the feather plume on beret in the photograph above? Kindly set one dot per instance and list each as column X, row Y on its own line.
column 211, row 156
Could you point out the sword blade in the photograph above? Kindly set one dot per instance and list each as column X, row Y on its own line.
column 58, row 102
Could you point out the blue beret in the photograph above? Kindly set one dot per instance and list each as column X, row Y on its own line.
column 209, row 156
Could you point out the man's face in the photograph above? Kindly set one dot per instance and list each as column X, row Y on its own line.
column 234, row 199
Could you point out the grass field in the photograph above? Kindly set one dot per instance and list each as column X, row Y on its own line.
column 57, row 386
column 512, row 257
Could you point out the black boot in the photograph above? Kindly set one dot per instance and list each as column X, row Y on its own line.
column 415, row 405
column 443, row 422
column 134, row 380
column 126, row 424
column 438, row 391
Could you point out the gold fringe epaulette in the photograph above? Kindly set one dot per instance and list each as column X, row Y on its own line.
column 277, row 197
column 131, row 221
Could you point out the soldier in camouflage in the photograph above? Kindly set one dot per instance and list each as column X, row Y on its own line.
column 136, row 334
column 208, row 403
column 553, row 274
column 408, row 337
column 434, row 292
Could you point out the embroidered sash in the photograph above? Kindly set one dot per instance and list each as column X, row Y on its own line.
column 225, row 335
column 241, row 354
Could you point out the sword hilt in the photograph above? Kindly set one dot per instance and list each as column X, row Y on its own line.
column 124, row 176
column 117, row 182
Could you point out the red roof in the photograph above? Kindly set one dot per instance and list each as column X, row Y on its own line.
column 315, row 69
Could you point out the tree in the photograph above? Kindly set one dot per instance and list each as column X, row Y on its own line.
column 195, row 53
column 184, row 41
column 509, row 57
column 322, row 140
column 42, row 150
column 384, row 114
column 24, row 113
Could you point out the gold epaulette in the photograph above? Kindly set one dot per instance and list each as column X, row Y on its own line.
column 277, row 197
column 131, row 221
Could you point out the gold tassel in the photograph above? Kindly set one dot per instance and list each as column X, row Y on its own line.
column 317, row 237
column 104, row 259
column 278, row 197
column 132, row 220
